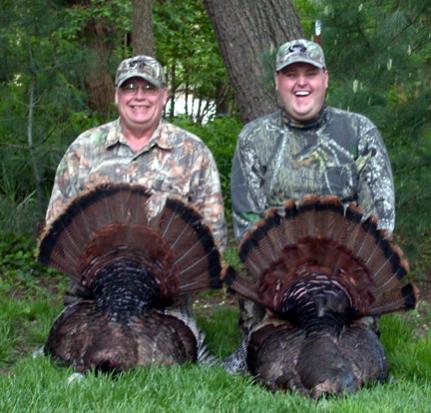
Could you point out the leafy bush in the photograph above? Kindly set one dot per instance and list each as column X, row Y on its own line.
column 19, row 268
column 412, row 174
column 220, row 136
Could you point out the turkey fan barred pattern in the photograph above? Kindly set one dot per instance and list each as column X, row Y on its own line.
column 319, row 268
column 132, row 262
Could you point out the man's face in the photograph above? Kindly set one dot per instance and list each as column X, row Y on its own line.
column 302, row 89
column 140, row 104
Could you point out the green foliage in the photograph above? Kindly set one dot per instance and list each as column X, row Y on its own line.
column 19, row 268
column 220, row 136
column 43, row 65
column 409, row 357
column 23, row 327
column 378, row 55
column 392, row 79
column 221, row 341
column 410, row 163
column 37, row 384
column 18, row 212
column 308, row 11
column 39, row 87
column 27, row 291
column 186, row 46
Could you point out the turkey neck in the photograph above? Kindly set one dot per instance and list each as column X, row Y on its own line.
column 317, row 304
column 125, row 289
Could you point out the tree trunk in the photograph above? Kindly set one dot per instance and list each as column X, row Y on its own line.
column 34, row 164
column 222, row 107
column 198, row 116
column 173, row 89
column 186, row 98
column 98, row 37
column 98, row 80
column 248, row 34
column 142, row 28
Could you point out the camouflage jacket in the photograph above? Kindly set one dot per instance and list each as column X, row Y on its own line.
column 174, row 162
column 342, row 154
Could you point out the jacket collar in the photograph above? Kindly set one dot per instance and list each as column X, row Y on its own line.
column 313, row 123
column 159, row 138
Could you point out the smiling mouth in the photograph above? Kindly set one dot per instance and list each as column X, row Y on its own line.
column 138, row 107
column 302, row 93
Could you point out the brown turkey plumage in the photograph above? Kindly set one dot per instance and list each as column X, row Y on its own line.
column 132, row 263
column 320, row 269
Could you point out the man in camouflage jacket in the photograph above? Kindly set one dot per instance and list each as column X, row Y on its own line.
column 307, row 147
column 140, row 147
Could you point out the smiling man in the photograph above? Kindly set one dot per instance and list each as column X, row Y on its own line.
column 140, row 147
column 306, row 147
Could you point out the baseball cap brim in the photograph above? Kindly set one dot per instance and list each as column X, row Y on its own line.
column 141, row 75
column 299, row 59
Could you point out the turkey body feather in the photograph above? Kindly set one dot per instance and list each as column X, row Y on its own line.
column 87, row 338
column 319, row 268
column 132, row 262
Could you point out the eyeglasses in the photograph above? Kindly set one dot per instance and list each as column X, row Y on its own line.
column 132, row 87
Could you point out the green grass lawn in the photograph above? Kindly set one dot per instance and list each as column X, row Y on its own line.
column 36, row 384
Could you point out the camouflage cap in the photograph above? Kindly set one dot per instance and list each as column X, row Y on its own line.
column 300, row 50
column 145, row 67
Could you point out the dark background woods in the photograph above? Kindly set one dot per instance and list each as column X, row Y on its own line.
column 58, row 60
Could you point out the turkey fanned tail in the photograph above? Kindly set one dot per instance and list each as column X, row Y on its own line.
column 133, row 255
column 320, row 269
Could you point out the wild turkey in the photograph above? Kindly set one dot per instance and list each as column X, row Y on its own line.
column 319, row 268
column 131, row 264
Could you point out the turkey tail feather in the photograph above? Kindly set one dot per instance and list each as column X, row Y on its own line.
column 115, row 220
column 321, row 236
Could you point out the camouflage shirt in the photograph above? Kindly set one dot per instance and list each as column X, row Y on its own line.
column 174, row 162
column 342, row 153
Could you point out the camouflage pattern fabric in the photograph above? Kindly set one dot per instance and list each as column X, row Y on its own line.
column 145, row 67
column 173, row 163
column 342, row 153
column 300, row 50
